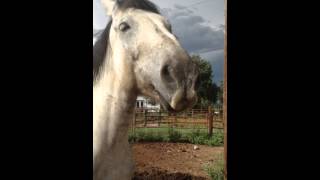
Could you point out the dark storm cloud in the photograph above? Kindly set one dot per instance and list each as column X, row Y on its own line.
column 216, row 59
column 179, row 6
column 193, row 32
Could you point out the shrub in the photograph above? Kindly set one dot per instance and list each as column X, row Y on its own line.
column 195, row 137
column 216, row 169
column 132, row 138
column 174, row 136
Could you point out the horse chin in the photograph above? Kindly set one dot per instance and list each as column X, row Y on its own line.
column 174, row 105
column 166, row 105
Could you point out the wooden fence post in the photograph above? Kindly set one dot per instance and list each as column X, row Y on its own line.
column 134, row 121
column 145, row 117
column 192, row 119
column 210, row 121
column 175, row 120
column 160, row 117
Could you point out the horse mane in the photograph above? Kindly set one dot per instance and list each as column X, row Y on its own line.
column 100, row 51
column 100, row 47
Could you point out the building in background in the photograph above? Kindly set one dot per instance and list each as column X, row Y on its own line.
column 146, row 103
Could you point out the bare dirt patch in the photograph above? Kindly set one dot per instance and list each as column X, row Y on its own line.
column 172, row 161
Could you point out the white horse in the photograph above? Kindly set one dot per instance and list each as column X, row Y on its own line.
column 137, row 54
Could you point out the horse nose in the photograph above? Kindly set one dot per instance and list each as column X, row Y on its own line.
column 194, row 76
column 178, row 74
column 168, row 74
column 193, row 82
column 179, row 78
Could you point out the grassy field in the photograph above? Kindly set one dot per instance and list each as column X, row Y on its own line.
column 194, row 136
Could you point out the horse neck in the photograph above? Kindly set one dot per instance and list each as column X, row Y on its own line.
column 114, row 103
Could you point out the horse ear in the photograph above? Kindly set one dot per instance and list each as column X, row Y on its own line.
column 109, row 5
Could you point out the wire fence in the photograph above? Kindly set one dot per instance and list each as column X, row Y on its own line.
column 204, row 120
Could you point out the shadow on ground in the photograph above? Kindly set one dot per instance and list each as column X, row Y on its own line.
column 164, row 175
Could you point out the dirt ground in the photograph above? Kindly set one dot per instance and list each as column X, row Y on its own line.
column 172, row 161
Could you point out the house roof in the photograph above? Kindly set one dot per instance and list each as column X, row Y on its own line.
column 141, row 98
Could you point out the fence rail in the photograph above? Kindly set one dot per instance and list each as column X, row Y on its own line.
column 206, row 119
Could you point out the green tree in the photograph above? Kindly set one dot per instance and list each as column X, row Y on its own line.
column 214, row 91
column 207, row 90
column 220, row 93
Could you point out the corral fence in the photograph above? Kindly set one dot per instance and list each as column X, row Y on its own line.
column 205, row 120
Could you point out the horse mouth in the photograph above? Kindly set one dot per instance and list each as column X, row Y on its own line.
column 167, row 106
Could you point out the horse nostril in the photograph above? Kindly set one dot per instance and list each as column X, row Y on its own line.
column 166, row 74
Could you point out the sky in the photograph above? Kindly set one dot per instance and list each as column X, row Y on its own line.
column 199, row 25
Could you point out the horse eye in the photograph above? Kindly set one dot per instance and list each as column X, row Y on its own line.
column 124, row 26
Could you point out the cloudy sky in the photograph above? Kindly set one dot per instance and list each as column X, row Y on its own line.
column 199, row 24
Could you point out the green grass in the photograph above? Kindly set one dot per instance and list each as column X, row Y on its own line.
column 194, row 136
column 216, row 169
